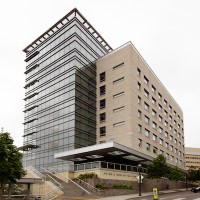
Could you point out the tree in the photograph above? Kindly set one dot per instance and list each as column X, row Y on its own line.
column 11, row 168
column 193, row 174
column 158, row 168
column 175, row 174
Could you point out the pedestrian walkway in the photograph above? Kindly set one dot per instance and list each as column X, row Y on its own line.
column 131, row 196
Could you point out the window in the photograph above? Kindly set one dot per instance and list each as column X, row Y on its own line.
column 160, row 107
column 175, row 131
column 174, row 112
column 161, row 141
column 146, row 94
column 139, row 86
column 178, row 126
column 170, row 128
column 161, row 152
column 139, row 142
column 153, row 113
column 147, row 133
column 170, row 108
column 102, row 103
column 154, row 125
column 159, row 96
column 118, row 94
column 176, row 160
column 138, row 72
column 166, row 134
column 166, row 123
column 118, row 109
column 167, row 156
column 146, row 106
column 174, row 122
column 170, row 118
column 146, row 119
column 118, row 80
column 118, row 66
column 102, row 131
column 165, row 112
column 148, row 146
column 171, row 148
column 139, row 128
column 139, row 114
column 155, row 149
column 153, row 89
column 160, row 119
column 161, row 130
column 102, row 117
column 119, row 123
column 179, row 144
column 139, row 100
column 166, row 145
column 154, row 137
column 175, row 150
column 153, row 101
column 171, row 137
column 102, row 90
column 146, row 81
column 102, row 76
column 165, row 102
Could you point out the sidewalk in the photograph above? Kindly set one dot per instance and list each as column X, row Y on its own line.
column 130, row 196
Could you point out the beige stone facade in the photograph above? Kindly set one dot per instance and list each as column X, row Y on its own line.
column 135, row 109
column 192, row 157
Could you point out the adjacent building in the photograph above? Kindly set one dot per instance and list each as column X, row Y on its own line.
column 85, row 102
column 192, row 157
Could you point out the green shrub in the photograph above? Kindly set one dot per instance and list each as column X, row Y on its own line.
column 122, row 186
column 99, row 186
column 87, row 176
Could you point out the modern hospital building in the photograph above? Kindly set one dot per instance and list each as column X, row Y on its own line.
column 86, row 102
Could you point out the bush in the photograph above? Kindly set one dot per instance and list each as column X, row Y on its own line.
column 99, row 186
column 122, row 186
column 87, row 176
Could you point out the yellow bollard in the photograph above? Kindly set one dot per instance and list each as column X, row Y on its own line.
column 155, row 193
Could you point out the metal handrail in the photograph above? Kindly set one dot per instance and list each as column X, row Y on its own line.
column 90, row 185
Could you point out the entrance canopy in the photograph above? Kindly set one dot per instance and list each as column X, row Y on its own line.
column 110, row 151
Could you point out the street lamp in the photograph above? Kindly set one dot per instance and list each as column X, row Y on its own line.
column 140, row 189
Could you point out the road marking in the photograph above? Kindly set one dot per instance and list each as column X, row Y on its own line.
column 180, row 199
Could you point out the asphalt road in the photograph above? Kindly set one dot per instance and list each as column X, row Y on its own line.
column 187, row 195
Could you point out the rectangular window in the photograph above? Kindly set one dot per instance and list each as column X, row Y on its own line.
column 139, row 86
column 153, row 113
column 165, row 102
column 171, row 148
column 154, row 125
column 146, row 81
column 166, row 123
column 146, row 106
column 160, row 118
column 146, row 119
column 161, row 130
column 139, row 128
column 118, row 109
column 153, row 101
column 138, row 72
column 139, row 114
column 160, row 107
column 161, row 152
column 102, row 117
column 159, row 96
column 119, row 123
column 148, row 146
column 147, row 133
column 139, row 100
column 165, row 112
column 102, row 76
column 118, row 66
column 166, row 145
column 161, row 141
column 167, row 156
column 155, row 150
column 102, row 90
column 170, row 118
column 166, row 134
column 154, row 137
column 171, row 137
column 170, row 108
column 118, row 80
column 102, row 103
column 146, row 93
column 118, row 94
column 139, row 142
column 102, row 131
column 153, row 89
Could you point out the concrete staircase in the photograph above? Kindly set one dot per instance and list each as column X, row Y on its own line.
column 71, row 189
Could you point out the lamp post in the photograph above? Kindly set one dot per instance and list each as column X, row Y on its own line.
column 140, row 189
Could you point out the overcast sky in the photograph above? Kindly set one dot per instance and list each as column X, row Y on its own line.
column 165, row 32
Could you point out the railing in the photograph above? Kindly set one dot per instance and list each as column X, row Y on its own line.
column 31, row 168
column 90, row 186
column 97, row 165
